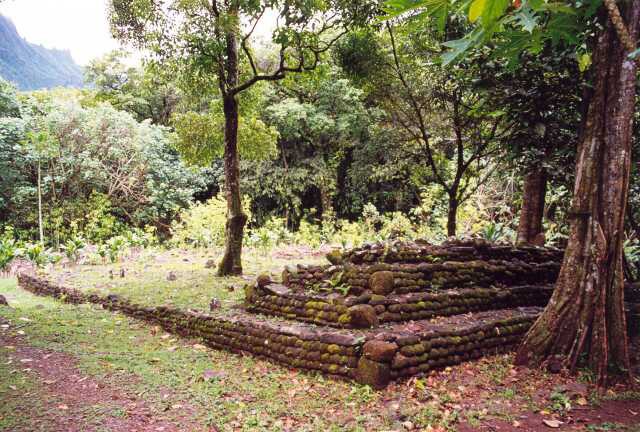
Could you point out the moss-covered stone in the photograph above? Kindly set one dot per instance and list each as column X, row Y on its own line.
column 335, row 257
column 382, row 282
column 375, row 374
column 363, row 316
column 380, row 351
column 263, row 280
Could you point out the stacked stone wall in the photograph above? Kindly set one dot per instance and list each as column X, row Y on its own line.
column 353, row 354
column 335, row 311
column 418, row 267
column 300, row 346
column 457, row 250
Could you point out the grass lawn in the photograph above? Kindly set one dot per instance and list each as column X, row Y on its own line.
column 227, row 392
column 145, row 276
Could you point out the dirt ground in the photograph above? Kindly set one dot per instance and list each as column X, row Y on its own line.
column 80, row 368
column 71, row 398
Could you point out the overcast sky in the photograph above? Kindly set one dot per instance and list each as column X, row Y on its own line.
column 79, row 26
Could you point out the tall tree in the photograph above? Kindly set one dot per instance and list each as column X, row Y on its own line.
column 543, row 97
column 442, row 114
column 585, row 317
column 213, row 38
column 586, row 312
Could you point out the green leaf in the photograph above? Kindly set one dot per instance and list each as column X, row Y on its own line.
column 563, row 27
column 394, row 8
column 493, row 11
column 584, row 61
column 527, row 20
column 435, row 9
column 459, row 46
column 476, row 9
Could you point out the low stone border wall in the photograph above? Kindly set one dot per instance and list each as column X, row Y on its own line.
column 371, row 357
column 338, row 311
column 299, row 345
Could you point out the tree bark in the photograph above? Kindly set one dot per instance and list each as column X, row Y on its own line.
column 585, row 318
column 530, row 230
column 452, row 214
column 326, row 201
column 40, row 228
column 231, row 263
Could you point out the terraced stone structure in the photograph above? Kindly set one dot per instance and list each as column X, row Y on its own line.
column 373, row 314
column 402, row 281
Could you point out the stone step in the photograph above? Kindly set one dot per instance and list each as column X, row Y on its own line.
column 373, row 356
column 338, row 311
column 404, row 278
column 453, row 250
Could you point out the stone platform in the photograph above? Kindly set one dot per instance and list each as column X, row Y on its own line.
column 370, row 356
column 373, row 314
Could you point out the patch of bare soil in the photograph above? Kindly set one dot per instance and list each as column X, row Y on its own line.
column 608, row 415
column 72, row 401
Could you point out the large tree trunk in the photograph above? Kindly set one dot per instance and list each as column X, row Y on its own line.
column 231, row 263
column 585, row 318
column 530, row 230
column 452, row 214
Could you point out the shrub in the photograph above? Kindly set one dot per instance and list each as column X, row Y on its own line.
column 274, row 232
column 309, row 234
column 8, row 251
column 114, row 247
column 141, row 238
column 396, row 225
column 37, row 254
column 101, row 224
column 203, row 224
column 350, row 234
column 497, row 232
column 72, row 248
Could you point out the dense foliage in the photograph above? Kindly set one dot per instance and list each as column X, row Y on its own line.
column 378, row 139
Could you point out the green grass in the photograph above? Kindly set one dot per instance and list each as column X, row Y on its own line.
column 249, row 395
column 145, row 280
column 608, row 426
column 246, row 393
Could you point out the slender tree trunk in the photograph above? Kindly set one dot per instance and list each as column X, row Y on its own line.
column 231, row 263
column 452, row 214
column 530, row 230
column 40, row 228
column 326, row 201
column 585, row 318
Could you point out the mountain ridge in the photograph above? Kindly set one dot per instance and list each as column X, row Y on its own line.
column 31, row 66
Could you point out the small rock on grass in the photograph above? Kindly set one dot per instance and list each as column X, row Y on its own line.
column 210, row 375
column 214, row 304
column 3, row 301
column 172, row 276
